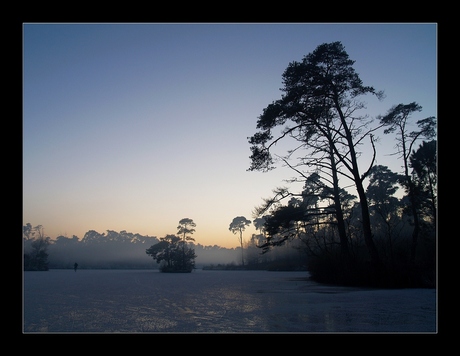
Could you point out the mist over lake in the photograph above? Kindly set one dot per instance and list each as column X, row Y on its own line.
column 147, row 301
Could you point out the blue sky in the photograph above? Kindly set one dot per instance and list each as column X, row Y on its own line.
column 136, row 126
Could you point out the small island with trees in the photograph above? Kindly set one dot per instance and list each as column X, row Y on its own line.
column 173, row 252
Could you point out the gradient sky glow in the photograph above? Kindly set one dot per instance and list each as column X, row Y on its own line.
column 136, row 126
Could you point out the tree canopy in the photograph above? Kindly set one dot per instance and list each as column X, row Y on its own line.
column 238, row 225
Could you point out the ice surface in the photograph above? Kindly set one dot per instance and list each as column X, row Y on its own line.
column 142, row 301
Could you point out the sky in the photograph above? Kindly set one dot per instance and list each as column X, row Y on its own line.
column 134, row 126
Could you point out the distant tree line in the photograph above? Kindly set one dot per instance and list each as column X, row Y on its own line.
column 375, row 237
column 126, row 250
column 109, row 249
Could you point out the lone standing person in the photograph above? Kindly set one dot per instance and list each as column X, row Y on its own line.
column 75, row 266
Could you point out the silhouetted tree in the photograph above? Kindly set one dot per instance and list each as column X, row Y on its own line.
column 27, row 232
column 238, row 225
column 423, row 162
column 186, row 226
column 321, row 100
column 35, row 248
column 397, row 120
column 172, row 254
column 259, row 223
column 281, row 224
column 384, row 206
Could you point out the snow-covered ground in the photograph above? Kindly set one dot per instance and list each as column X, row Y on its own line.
column 143, row 301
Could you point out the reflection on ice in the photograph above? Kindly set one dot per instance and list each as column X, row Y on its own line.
column 98, row 301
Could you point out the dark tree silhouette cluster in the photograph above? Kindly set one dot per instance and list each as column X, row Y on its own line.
column 319, row 112
column 173, row 253
column 110, row 249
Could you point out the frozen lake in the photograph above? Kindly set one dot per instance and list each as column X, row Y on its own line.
column 147, row 301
